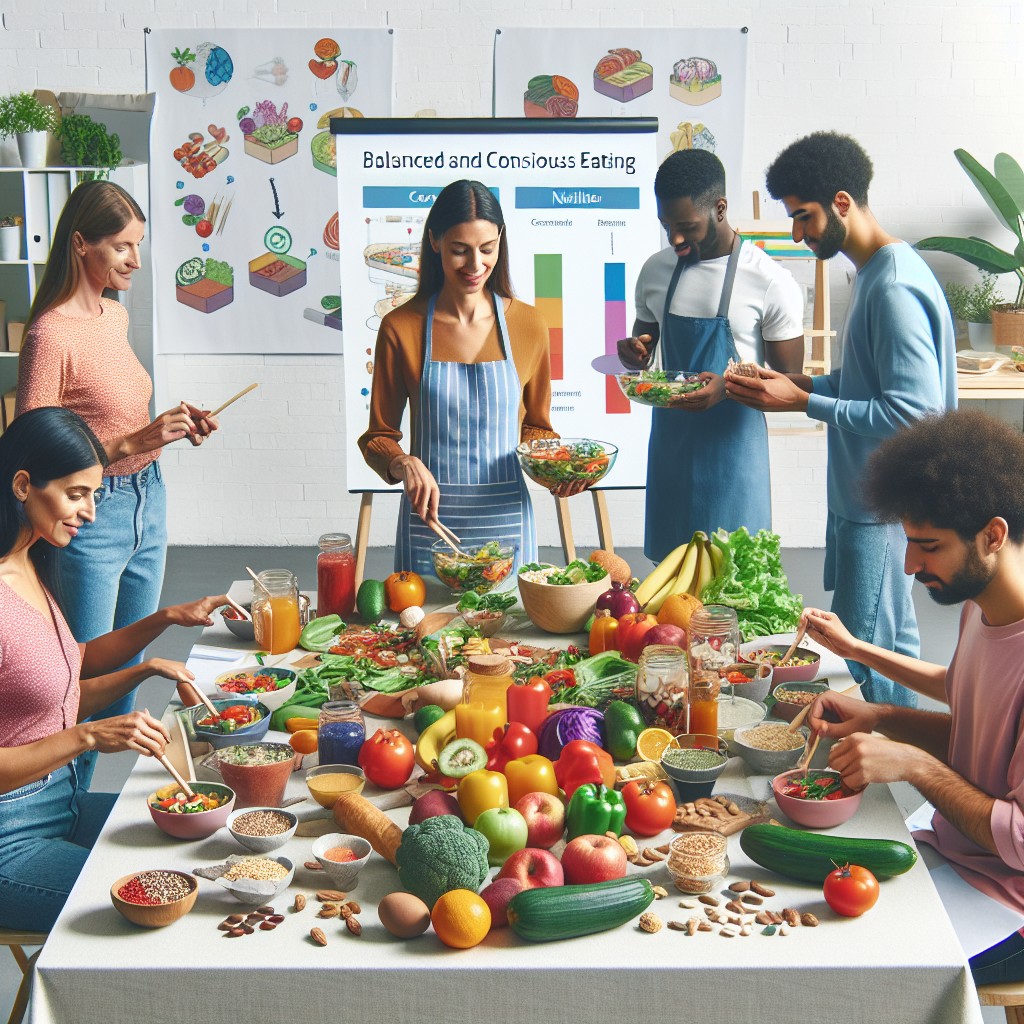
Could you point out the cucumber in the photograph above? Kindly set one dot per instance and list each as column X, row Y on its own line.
column 809, row 857
column 190, row 271
column 568, row 911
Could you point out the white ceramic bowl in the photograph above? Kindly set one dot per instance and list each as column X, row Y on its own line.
column 767, row 762
column 262, row 844
column 344, row 874
column 253, row 899
column 272, row 699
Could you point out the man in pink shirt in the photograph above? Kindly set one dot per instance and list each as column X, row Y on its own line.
column 955, row 483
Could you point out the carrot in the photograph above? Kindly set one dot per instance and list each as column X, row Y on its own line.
column 564, row 87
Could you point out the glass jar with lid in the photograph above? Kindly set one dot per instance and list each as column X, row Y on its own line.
column 279, row 611
column 340, row 732
column 662, row 682
column 713, row 641
column 488, row 678
column 335, row 576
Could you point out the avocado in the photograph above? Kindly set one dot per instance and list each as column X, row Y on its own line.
column 426, row 715
column 370, row 600
column 460, row 758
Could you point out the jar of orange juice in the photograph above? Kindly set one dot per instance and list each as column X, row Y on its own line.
column 277, row 610
column 488, row 677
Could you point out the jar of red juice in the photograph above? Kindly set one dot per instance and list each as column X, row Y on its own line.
column 335, row 576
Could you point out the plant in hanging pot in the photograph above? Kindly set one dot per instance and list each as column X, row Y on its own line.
column 10, row 238
column 973, row 304
column 1003, row 191
column 29, row 120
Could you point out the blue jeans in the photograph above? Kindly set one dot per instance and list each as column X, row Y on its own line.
column 111, row 574
column 872, row 596
column 46, row 831
column 1003, row 962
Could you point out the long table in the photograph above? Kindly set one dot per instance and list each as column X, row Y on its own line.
column 900, row 962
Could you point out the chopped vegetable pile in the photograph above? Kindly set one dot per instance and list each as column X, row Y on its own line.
column 819, row 787
column 659, row 387
column 248, row 682
column 575, row 572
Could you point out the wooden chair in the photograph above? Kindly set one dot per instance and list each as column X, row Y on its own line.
column 1009, row 995
column 16, row 940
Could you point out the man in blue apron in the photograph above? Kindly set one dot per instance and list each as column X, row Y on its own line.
column 898, row 366
column 708, row 299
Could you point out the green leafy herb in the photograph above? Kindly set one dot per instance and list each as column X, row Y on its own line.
column 22, row 112
column 220, row 272
column 496, row 601
column 87, row 143
column 575, row 572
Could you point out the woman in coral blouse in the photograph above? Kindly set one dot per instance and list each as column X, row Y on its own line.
column 51, row 465
column 77, row 355
column 472, row 363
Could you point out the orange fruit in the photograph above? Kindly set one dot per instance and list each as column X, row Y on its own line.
column 304, row 741
column 326, row 48
column 651, row 742
column 461, row 919
column 677, row 609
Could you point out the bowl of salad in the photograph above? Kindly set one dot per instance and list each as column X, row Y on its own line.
column 659, row 388
column 801, row 668
column 559, row 461
column 240, row 720
column 561, row 600
column 273, row 687
column 486, row 613
column 477, row 569
column 815, row 797
column 183, row 818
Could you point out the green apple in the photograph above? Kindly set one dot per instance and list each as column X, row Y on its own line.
column 506, row 831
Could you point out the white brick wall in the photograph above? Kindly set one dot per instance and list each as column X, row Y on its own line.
column 911, row 79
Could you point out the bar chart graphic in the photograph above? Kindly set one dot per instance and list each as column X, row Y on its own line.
column 547, row 283
column 614, row 329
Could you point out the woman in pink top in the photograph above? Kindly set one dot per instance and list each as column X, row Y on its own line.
column 50, row 467
column 77, row 355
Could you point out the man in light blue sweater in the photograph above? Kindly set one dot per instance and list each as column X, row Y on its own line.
column 898, row 366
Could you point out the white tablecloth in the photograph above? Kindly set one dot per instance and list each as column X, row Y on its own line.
column 900, row 962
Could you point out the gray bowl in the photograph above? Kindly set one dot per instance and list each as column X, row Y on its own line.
column 693, row 783
column 251, row 899
column 262, row 844
column 242, row 628
column 767, row 762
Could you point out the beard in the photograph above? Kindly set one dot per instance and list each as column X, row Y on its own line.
column 832, row 238
column 965, row 585
column 706, row 244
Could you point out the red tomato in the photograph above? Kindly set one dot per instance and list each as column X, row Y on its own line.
column 851, row 890
column 650, row 807
column 204, row 229
column 294, row 124
column 388, row 758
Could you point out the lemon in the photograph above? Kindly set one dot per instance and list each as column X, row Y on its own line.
column 651, row 742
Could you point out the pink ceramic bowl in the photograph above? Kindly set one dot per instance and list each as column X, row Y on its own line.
column 200, row 825
column 814, row 813
column 788, row 673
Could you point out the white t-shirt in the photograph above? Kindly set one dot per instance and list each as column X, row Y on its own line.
column 767, row 303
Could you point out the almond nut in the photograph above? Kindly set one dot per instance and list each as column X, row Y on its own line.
column 660, row 892
column 653, row 854
column 354, row 907
column 650, row 922
column 739, row 887
column 353, row 925
column 317, row 935
column 329, row 910
column 300, row 902
column 346, row 911
column 808, row 920
column 330, row 896
column 313, row 865
column 762, row 890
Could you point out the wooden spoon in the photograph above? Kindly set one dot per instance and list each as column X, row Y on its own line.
column 800, row 633
column 185, row 788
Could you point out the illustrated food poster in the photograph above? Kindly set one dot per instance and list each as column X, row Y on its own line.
column 244, row 202
column 693, row 80
column 579, row 213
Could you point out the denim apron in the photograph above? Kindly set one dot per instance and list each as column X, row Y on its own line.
column 467, row 430
column 710, row 469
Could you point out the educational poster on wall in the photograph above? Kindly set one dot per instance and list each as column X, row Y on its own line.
column 244, row 204
column 580, row 221
column 693, row 80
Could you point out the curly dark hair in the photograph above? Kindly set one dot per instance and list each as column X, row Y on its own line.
column 690, row 174
column 956, row 471
column 818, row 166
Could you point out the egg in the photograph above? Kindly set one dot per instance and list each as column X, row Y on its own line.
column 404, row 915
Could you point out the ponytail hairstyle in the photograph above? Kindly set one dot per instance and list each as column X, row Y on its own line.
column 459, row 203
column 49, row 443
column 96, row 209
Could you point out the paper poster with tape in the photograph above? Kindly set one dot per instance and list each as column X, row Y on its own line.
column 243, row 200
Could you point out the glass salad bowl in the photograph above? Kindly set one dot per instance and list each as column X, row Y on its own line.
column 479, row 569
column 659, row 388
column 556, row 461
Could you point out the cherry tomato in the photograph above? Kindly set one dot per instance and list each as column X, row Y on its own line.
column 650, row 807
column 294, row 124
column 204, row 229
column 387, row 758
column 851, row 890
column 404, row 590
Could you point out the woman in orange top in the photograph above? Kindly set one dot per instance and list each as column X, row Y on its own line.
column 77, row 355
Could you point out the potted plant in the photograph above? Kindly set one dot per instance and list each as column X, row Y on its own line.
column 25, row 117
column 10, row 238
column 973, row 304
column 1003, row 191
column 87, row 143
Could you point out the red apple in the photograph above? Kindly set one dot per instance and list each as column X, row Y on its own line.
column 667, row 634
column 545, row 819
column 536, row 869
column 593, row 859
column 432, row 804
column 497, row 896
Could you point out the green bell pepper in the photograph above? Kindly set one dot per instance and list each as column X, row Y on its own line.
column 623, row 725
column 318, row 634
column 595, row 809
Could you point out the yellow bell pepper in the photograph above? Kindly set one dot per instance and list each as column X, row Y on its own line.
column 481, row 790
column 531, row 774
column 295, row 724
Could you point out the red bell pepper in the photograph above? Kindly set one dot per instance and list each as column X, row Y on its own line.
column 584, row 762
column 631, row 632
column 509, row 744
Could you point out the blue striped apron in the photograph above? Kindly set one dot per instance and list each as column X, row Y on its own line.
column 708, row 469
column 467, row 429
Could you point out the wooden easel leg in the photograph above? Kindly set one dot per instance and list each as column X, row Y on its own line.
column 363, row 533
column 565, row 529
column 604, row 523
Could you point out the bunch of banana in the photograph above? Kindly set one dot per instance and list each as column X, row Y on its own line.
column 688, row 569
column 434, row 739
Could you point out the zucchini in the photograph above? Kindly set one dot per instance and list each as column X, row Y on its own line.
column 809, row 857
column 568, row 911
column 189, row 272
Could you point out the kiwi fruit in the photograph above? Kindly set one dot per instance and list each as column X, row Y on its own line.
column 460, row 758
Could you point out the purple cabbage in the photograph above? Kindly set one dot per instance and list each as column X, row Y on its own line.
column 562, row 727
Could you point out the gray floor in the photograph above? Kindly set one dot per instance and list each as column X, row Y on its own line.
column 194, row 572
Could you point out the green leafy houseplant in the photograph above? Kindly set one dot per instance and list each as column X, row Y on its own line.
column 22, row 112
column 1003, row 191
column 87, row 143
column 973, row 303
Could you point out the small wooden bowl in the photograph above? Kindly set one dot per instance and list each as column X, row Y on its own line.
column 561, row 609
column 160, row 914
